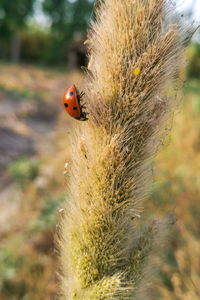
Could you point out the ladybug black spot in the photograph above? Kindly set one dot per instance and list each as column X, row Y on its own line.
column 66, row 105
column 74, row 108
column 71, row 94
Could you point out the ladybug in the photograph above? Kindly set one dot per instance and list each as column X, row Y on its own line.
column 71, row 101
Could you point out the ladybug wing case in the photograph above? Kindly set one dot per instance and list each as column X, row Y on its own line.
column 71, row 103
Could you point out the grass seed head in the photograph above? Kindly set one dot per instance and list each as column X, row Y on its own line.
column 135, row 49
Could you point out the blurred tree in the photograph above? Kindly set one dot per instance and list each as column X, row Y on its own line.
column 13, row 15
column 68, row 17
column 69, row 22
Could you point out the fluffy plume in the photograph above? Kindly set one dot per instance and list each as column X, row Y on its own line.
column 135, row 51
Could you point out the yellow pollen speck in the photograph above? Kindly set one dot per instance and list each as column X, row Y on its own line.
column 136, row 71
column 95, row 272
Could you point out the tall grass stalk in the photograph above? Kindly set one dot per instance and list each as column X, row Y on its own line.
column 135, row 50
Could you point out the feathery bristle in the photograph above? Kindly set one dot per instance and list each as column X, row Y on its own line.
column 135, row 51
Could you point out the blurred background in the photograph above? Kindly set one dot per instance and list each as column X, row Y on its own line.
column 41, row 53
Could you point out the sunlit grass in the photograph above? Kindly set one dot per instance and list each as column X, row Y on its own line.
column 27, row 254
column 177, row 187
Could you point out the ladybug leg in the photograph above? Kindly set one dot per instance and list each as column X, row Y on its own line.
column 85, row 116
column 81, row 94
column 83, row 105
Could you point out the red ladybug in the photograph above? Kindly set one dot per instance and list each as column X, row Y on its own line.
column 71, row 101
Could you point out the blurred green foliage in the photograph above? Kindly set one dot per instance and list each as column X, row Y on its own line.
column 13, row 15
column 19, row 272
column 11, row 263
column 68, row 22
column 34, row 43
column 47, row 217
column 24, row 94
column 193, row 87
column 24, row 170
column 194, row 61
column 68, row 17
